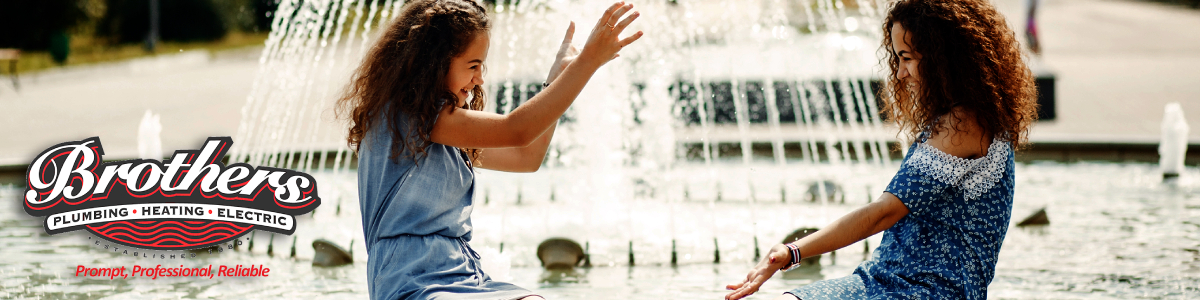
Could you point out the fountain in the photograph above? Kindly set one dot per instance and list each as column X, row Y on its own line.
column 1173, row 147
column 694, row 146
column 150, row 137
column 703, row 143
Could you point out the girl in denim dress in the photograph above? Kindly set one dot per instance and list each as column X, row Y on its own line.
column 960, row 91
column 414, row 111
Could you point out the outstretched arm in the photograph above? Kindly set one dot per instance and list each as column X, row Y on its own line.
column 960, row 136
column 523, row 126
column 521, row 159
column 529, row 158
column 855, row 226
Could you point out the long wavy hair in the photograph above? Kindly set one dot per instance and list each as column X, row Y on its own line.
column 404, row 74
column 970, row 60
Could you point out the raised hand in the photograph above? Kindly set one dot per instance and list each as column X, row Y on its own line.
column 566, row 54
column 776, row 259
column 604, row 42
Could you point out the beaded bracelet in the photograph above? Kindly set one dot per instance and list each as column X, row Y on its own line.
column 795, row 257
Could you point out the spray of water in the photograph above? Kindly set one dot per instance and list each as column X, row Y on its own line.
column 653, row 126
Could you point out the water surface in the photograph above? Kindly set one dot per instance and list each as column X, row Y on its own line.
column 1116, row 232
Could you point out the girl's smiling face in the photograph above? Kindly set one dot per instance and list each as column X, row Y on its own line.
column 902, row 43
column 466, row 70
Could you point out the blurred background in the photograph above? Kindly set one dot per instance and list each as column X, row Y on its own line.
column 732, row 125
column 68, row 33
column 93, row 64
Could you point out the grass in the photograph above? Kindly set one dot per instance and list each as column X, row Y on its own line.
column 86, row 50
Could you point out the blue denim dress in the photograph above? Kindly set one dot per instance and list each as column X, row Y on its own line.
column 417, row 222
column 946, row 247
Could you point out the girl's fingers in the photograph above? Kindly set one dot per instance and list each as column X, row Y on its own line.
column 630, row 39
column 742, row 289
column 748, row 289
column 607, row 13
column 758, row 282
column 567, row 39
column 739, row 294
column 616, row 16
column 608, row 41
column 621, row 26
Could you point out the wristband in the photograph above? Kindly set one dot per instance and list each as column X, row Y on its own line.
column 795, row 257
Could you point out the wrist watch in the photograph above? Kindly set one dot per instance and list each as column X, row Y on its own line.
column 795, row 262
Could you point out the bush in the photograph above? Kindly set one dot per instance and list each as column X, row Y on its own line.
column 264, row 13
column 128, row 21
column 60, row 47
column 29, row 25
column 246, row 15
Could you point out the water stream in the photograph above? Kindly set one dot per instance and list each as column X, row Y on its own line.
column 709, row 136
column 1116, row 232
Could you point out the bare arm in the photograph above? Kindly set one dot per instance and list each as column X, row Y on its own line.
column 853, row 227
column 529, row 158
column 961, row 136
column 524, row 125
column 477, row 129
column 523, row 159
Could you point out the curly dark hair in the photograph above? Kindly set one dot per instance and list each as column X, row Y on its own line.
column 403, row 74
column 970, row 61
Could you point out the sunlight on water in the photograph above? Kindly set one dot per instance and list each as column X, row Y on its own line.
column 642, row 163
column 1116, row 232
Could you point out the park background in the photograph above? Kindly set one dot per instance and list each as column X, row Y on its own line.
column 85, row 69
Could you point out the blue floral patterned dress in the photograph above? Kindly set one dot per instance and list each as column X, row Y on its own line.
column 946, row 247
column 416, row 216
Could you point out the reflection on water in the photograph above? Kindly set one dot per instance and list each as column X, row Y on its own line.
column 555, row 276
column 809, row 272
column 1116, row 232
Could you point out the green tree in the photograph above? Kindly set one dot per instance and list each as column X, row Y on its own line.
column 128, row 21
column 33, row 24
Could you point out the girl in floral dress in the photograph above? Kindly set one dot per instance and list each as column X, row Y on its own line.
column 960, row 91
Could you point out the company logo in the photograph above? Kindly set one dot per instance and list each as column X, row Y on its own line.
column 192, row 201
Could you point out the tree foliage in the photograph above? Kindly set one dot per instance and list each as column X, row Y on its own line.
column 30, row 24
column 128, row 21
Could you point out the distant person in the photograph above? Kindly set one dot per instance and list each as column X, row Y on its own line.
column 1031, row 31
column 414, row 112
column 959, row 90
